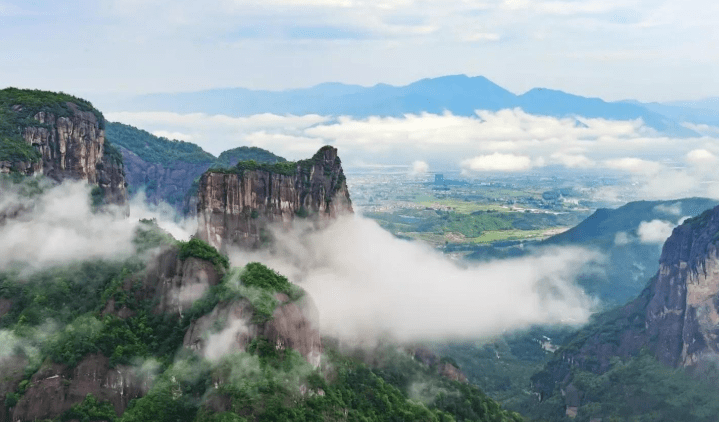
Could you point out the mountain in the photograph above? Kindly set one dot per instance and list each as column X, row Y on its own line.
column 550, row 102
column 458, row 94
column 166, row 170
column 173, row 333
column 711, row 103
column 673, row 322
column 685, row 113
column 235, row 205
column 615, row 233
column 61, row 137
column 629, row 259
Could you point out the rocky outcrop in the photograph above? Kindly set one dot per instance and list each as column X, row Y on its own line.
column 55, row 388
column 11, row 374
column 175, row 284
column 676, row 317
column 291, row 326
column 71, row 145
column 444, row 367
column 234, row 208
column 27, row 168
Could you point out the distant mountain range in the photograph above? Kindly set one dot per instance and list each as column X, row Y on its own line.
column 458, row 94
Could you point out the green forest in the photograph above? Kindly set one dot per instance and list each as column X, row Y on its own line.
column 59, row 315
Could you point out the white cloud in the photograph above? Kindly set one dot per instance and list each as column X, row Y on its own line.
column 505, row 140
column 621, row 239
column 655, row 231
column 59, row 226
column 420, row 167
column 634, row 165
column 498, row 162
column 701, row 157
column 366, row 284
column 172, row 135
column 673, row 209
column 572, row 160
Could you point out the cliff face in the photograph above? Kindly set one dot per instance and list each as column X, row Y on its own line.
column 70, row 146
column 235, row 207
column 55, row 388
column 175, row 284
column 681, row 317
column 289, row 327
column 676, row 317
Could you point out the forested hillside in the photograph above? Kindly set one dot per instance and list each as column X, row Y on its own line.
column 111, row 339
column 165, row 170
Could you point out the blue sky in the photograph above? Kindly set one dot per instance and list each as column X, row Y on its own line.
column 649, row 50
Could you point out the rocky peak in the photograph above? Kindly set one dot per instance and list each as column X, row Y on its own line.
column 61, row 137
column 236, row 205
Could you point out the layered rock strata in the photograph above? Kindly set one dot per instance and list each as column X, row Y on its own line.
column 72, row 147
column 234, row 208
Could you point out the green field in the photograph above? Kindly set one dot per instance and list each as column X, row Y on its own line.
column 485, row 238
column 458, row 205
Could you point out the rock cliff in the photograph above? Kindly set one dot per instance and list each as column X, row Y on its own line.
column 55, row 388
column 676, row 317
column 66, row 140
column 234, row 207
column 174, row 284
column 290, row 326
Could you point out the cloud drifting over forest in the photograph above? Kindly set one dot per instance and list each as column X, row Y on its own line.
column 367, row 284
column 59, row 225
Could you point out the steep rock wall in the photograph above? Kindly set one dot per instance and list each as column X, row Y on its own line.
column 292, row 326
column 71, row 146
column 676, row 317
column 55, row 388
column 235, row 207
column 175, row 284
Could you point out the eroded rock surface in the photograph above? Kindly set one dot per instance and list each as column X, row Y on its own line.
column 72, row 147
column 235, row 208
column 676, row 317
column 230, row 327
column 177, row 283
column 55, row 388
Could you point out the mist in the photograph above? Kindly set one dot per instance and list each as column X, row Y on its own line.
column 58, row 225
column 368, row 285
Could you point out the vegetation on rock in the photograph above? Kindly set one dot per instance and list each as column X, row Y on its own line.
column 17, row 109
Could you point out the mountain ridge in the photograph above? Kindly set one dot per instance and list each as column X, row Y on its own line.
column 458, row 94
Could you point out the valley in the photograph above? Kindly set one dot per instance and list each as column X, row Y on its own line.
column 203, row 327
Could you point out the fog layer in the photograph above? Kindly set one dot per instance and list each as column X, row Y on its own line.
column 368, row 284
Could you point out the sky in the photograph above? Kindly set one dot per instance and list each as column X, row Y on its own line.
column 650, row 50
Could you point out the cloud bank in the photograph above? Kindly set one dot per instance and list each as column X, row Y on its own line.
column 59, row 226
column 367, row 284
column 658, row 167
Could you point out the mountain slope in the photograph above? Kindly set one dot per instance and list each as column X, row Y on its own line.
column 173, row 334
column 631, row 259
column 674, row 321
